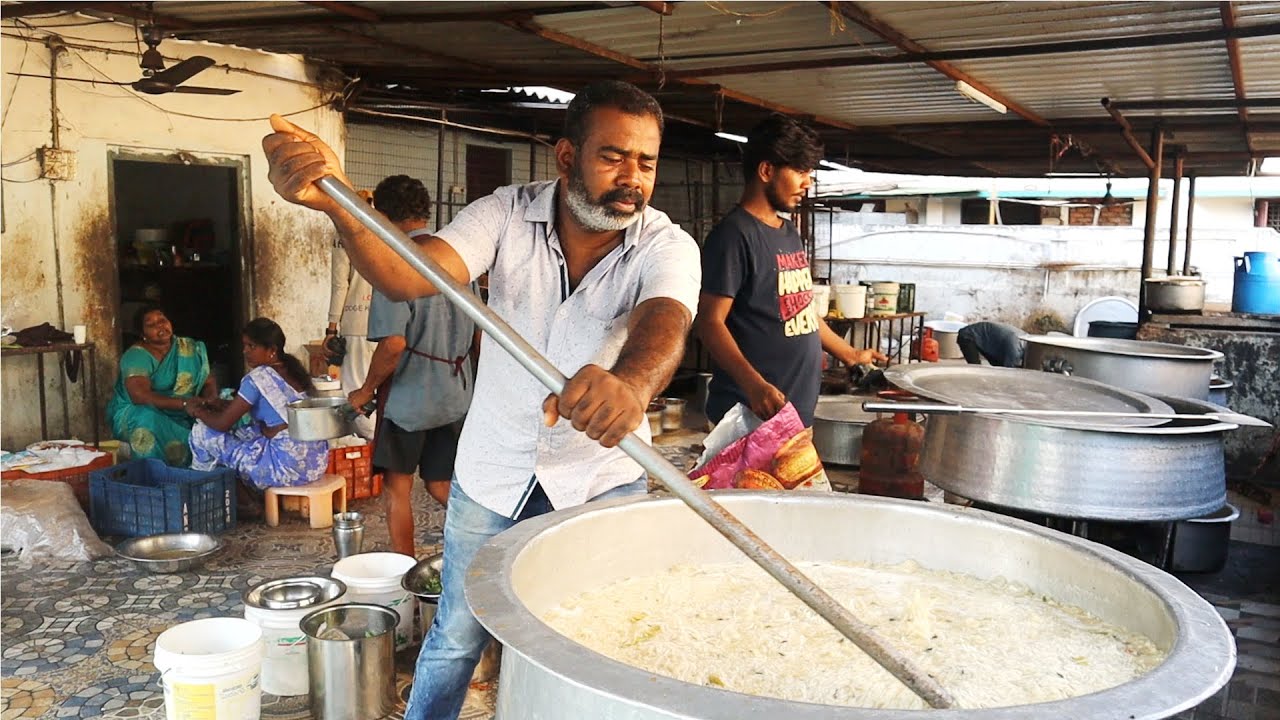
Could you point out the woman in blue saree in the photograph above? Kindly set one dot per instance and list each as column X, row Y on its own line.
column 159, row 377
column 261, row 452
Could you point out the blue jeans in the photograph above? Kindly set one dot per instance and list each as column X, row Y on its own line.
column 452, row 648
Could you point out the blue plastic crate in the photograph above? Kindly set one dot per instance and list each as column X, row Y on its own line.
column 147, row 497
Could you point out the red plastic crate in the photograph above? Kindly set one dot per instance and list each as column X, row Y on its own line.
column 355, row 463
column 76, row 477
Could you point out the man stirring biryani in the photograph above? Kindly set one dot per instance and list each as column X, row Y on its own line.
column 604, row 285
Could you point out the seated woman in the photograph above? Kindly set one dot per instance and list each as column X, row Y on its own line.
column 159, row 378
column 262, row 453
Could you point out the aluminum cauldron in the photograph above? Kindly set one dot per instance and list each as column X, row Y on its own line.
column 540, row 562
column 1147, row 367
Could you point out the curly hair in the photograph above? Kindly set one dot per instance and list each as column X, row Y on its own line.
column 611, row 94
column 781, row 141
column 401, row 198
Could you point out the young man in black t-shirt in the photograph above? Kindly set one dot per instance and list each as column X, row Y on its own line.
column 755, row 313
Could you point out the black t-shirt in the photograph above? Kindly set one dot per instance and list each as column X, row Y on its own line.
column 766, row 272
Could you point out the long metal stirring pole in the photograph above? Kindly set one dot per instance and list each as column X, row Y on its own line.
column 648, row 458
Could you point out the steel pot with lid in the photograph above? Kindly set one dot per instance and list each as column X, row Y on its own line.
column 1145, row 367
column 1125, row 469
column 519, row 575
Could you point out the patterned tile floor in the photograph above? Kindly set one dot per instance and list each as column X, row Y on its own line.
column 77, row 638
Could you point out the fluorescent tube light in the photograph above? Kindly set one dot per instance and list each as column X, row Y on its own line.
column 837, row 166
column 973, row 93
column 731, row 136
column 1270, row 166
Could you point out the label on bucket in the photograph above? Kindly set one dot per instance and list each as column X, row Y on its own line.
column 235, row 696
column 191, row 701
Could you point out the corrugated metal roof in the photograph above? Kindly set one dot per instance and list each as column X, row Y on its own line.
column 412, row 44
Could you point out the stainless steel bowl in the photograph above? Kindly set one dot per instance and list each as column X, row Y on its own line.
column 415, row 580
column 169, row 553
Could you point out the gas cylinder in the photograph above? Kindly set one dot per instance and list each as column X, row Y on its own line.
column 890, row 456
column 929, row 347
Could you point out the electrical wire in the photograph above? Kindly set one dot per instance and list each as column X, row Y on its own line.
column 22, row 64
column 449, row 123
column 25, row 158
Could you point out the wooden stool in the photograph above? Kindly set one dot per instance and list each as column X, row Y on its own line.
column 319, row 495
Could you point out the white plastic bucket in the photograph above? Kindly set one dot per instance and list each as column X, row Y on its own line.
column 822, row 300
column 374, row 578
column 884, row 298
column 284, row 664
column 851, row 300
column 210, row 669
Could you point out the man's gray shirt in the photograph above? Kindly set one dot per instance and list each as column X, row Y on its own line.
column 433, row 381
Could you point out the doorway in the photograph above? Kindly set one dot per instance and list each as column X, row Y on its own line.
column 180, row 242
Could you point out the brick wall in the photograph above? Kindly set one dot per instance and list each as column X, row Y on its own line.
column 1115, row 215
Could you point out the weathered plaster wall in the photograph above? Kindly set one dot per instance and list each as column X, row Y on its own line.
column 59, row 256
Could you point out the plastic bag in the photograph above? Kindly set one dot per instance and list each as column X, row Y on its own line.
column 744, row 452
column 40, row 519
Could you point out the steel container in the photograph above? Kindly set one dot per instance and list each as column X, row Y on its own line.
column 351, row 661
column 169, row 552
column 522, row 572
column 320, row 418
column 1147, row 367
column 1167, row 472
column 1175, row 294
column 838, row 422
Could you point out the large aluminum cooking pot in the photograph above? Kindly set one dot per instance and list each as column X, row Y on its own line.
column 1127, row 474
column 1148, row 367
column 522, row 572
column 838, row 422
column 1175, row 294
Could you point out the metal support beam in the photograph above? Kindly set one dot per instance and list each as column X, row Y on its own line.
column 418, row 18
column 902, row 42
column 1006, row 51
column 1149, row 231
column 120, row 9
column 346, row 9
column 1191, row 211
column 1228, row 12
column 1173, row 213
column 653, row 71
column 1126, row 130
column 662, row 8
column 411, row 50
column 1201, row 104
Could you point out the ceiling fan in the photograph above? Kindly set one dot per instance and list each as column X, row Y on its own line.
column 156, row 79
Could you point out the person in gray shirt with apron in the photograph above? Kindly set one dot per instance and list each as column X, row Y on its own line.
column 421, row 372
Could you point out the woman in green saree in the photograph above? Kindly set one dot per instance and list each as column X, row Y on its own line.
column 158, row 377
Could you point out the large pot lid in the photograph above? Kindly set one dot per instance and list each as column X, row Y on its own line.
column 983, row 386
column 842, row 409
column 1133, row 348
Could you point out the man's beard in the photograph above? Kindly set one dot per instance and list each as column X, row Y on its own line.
column 594, row 214
column 777, row 202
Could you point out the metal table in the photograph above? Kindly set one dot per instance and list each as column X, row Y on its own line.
column 912, row 324
column 91, row 380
